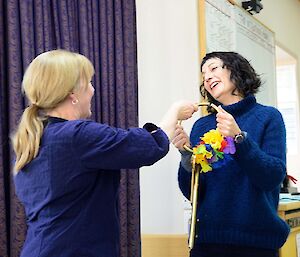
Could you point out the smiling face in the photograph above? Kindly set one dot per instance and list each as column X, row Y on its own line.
column 217, row 82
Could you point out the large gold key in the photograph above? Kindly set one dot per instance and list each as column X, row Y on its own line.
column 194, row 199
column 196, row 170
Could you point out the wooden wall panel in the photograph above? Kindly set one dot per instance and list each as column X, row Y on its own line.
column 165, row 246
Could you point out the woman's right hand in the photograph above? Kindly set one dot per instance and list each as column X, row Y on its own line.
column 185, row 109
column 181, row 110
column 180, row 138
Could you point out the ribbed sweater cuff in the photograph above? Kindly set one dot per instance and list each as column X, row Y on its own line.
column 260, row 240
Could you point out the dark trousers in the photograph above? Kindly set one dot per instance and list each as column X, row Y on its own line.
column 220, row 250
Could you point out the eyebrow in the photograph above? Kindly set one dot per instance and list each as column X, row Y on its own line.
column 209, row 66
column 213, row 63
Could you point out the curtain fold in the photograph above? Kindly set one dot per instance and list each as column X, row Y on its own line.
column 105, row 32
column 4, row 215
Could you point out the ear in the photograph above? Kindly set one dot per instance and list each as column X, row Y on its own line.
column 73, row 98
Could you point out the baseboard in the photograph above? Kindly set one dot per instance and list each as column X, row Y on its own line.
column 164, row 245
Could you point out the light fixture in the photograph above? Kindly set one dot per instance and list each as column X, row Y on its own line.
column 252, row 6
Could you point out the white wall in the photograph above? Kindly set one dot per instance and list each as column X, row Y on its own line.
column 168, row 69
column 283, row 17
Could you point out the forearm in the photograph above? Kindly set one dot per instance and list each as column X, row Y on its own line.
column 265, row 170
column 169, row 121
column 186, row 160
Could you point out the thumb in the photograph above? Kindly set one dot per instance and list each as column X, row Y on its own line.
column 196, row 107
column 221, row 109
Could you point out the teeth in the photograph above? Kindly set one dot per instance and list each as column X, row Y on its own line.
column 213, row 85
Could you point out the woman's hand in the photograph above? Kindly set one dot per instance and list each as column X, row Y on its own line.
column 226, row 124
column 180, row 138
column 181, row 110
column 185, row 109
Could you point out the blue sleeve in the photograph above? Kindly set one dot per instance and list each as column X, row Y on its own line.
column 100, row 146
column 184, row 181
column 266, row 165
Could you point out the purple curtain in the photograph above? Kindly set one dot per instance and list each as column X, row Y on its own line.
column 105, row 32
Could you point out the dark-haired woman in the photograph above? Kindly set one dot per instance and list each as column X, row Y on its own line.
column 237, row 202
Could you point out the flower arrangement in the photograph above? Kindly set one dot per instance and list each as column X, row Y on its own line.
column 212, row 148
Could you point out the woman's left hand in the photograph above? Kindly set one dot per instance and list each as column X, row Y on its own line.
column 226, row 124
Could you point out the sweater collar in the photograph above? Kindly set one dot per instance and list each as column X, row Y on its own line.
column 241, row 107
column 51, row 120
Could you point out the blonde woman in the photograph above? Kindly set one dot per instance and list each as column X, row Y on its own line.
column 68, row 168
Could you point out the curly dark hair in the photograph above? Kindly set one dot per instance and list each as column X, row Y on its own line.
column 244, row 77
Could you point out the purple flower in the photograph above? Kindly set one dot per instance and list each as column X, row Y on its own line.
column 230, row 148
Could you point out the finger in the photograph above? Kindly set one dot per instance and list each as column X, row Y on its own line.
column 179, row 143
column 186, row 116
column 179, row 126
column 181, row 131
column 222, row 115
column 178, row 132
column 223, row 130
column 225, row 121
column 223, row 127
column 221, row 109
column 220, row 120
column 196, row 107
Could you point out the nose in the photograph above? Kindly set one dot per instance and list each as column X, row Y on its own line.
column 207, row 76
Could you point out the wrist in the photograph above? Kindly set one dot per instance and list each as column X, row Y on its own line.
column 184, row 152
column 176, row 110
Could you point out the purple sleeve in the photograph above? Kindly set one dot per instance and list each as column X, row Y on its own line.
column 100, row 146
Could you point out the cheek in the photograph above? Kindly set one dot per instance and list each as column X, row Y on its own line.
column 229, row 84
column 207, row 87
column 92, row 92
column 226, row 77
column 91, row 95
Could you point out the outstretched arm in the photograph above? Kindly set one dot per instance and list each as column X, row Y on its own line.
column 178, row 111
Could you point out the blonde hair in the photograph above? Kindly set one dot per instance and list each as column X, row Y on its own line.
column 48, row 80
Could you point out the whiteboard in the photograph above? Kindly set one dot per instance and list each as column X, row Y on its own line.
column 230, row 28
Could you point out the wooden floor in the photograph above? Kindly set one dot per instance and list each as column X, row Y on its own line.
column 164, row 246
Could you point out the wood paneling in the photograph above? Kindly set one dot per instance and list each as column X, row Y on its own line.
column 165, row 246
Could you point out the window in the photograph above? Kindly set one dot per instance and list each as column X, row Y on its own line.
column 287, row 97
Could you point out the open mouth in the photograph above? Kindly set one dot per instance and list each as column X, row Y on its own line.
column 213, row 85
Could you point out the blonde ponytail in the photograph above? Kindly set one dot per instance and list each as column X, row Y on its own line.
column 26, row 140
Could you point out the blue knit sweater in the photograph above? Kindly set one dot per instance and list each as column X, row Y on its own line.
column 238, row 201
column 70, row 190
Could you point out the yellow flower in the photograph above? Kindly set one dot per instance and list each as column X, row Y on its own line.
column 201, row 156
column 213, row 138
column 205, row 167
